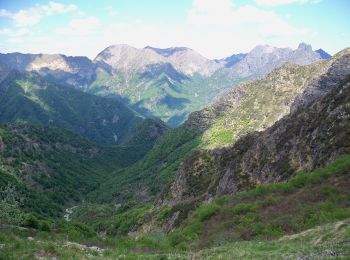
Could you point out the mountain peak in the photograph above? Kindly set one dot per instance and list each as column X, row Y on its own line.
column 260, row 49
column 324, row 55
column 304, row 47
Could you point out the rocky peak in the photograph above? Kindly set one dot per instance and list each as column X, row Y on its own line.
column 51, row 62
column 261, row 49
column 305, row 47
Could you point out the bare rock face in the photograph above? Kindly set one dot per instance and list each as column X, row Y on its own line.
column 337, row 72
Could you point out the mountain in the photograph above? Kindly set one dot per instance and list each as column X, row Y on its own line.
column 129, row 59
column 264, row 58
column 295, row 143
column 165, row 83
column 75, row 71
column 256, row 105
column 171, row 96
column 324, row 55
column 26, row 97
column 232, row 60
column 251, row 106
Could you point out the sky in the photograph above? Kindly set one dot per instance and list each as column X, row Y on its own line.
column 214, row 28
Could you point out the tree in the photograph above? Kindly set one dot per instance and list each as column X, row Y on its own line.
column 10, row 206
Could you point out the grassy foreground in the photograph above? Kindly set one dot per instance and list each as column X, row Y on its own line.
column 307, row 217
column 322, row 242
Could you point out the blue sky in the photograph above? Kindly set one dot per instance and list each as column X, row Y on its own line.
column 215, row 28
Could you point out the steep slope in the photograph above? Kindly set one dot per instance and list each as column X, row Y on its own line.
column 256, row 105
column 270, row 211
column 312, row 136
column 26, row 97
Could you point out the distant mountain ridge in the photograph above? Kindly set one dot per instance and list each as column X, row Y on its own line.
column 166, row 83
column 27, row 97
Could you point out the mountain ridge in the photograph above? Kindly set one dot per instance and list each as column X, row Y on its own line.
column 27, row 97
column 165, row 83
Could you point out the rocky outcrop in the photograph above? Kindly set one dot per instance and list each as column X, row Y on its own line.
column 318, row 87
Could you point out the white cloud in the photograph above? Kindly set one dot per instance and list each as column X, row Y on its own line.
column 284, row 2
column 33, row 15
column 80, row 27
column 222, row 13
column 210, row 12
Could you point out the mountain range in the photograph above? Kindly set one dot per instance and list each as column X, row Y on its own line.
column 164, row 83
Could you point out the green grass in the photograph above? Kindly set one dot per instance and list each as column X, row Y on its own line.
column 315, row 221
column 318, row 242
column 257, row 109
column 264, row 213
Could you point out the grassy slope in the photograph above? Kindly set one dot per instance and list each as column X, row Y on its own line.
column 322, row 242
column 264, row 102
column 321, row 230
column 271, row 210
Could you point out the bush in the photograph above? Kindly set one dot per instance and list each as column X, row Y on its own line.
column 10, row 203
column 32, row 221
column 207, row 211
